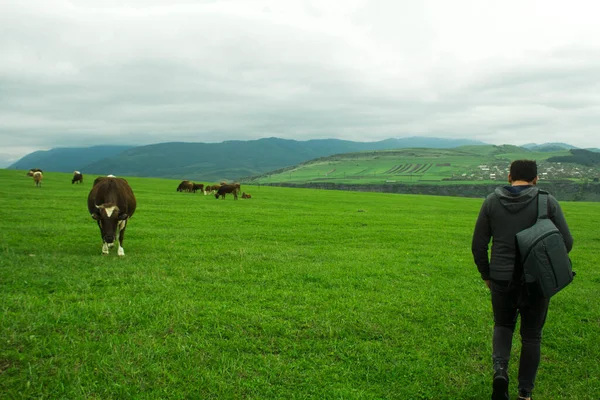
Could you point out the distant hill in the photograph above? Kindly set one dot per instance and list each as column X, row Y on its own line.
column 227, row 160
column 425, row 142
column 67, row 159
column 548, row 147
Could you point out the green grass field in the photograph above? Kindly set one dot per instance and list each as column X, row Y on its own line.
column 293, row 294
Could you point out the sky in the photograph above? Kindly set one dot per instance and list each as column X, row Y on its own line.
column 90, row 72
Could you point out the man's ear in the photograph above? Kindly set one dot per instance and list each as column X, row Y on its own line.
column 509, row 178
column 534, row 181
column 123, row 216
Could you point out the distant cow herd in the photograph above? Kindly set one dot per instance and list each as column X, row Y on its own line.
column 111, row 202
column 219, row 190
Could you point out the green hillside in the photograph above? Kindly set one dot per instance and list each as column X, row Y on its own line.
column 274, row 161
column 467, row 164
column 579, row 156
column 226, row 160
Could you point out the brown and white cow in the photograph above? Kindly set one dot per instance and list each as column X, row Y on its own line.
column 33, row 170
column 246, row 195
column 77, row 177
column 224, row 189
column 111, row 203
column 210, row 189
column 37, row 178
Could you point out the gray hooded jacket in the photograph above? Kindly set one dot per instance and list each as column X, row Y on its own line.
column 505, row 212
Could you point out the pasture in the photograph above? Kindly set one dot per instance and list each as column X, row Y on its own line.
column 292, row 294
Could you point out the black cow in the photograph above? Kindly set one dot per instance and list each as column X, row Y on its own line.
column 77, row 177
column 111, row 203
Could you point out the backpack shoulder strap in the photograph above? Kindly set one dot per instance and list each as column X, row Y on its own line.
column 542, row 204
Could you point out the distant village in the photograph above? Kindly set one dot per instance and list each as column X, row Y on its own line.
column 546, row 171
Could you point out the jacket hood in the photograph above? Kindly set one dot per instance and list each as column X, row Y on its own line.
column 515, row 200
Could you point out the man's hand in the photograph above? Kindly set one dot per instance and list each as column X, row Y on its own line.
column 488, row 283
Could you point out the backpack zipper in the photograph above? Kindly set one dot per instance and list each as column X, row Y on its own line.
column 551, row 265
column 536, row 242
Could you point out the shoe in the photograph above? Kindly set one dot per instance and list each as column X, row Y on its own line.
column 524, row 395
column 500, row 385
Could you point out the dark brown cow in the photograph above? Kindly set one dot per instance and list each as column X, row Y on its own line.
column 198, row 186
column 246, row 195
column 98, row 179
column 77, row 177
column 101, row 178
column 224, row 189
column 111, row 203
column 185, row 186
column 236, row 184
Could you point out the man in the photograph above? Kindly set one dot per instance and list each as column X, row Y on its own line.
column 505, row 212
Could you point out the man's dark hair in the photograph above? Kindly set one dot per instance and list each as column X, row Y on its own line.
column 523, row 170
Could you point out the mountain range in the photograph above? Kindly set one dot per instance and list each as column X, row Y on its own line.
column 228, row 160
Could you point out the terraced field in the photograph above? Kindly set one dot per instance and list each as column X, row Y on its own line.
column 476, row 164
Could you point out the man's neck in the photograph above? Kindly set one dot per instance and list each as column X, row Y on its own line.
column 521, row 183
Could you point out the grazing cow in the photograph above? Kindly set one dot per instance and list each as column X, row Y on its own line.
column 77, row 177
column 185, row 186
column 224, row 189
column 111, row 203
column 197, row 186
column 246, row 195
column 37, row 178
column 100, row 178
column 234, row 184
column 33, row 170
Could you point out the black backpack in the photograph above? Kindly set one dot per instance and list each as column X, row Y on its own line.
column 542, row 253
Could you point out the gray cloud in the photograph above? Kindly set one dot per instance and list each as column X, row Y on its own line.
column 89, row 73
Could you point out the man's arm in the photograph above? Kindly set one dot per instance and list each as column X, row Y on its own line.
column 559, row 220
column 481, row 239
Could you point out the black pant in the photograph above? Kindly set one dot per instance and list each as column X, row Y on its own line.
column 508, row 302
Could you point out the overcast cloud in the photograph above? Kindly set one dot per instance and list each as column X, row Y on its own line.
column 79, row 73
